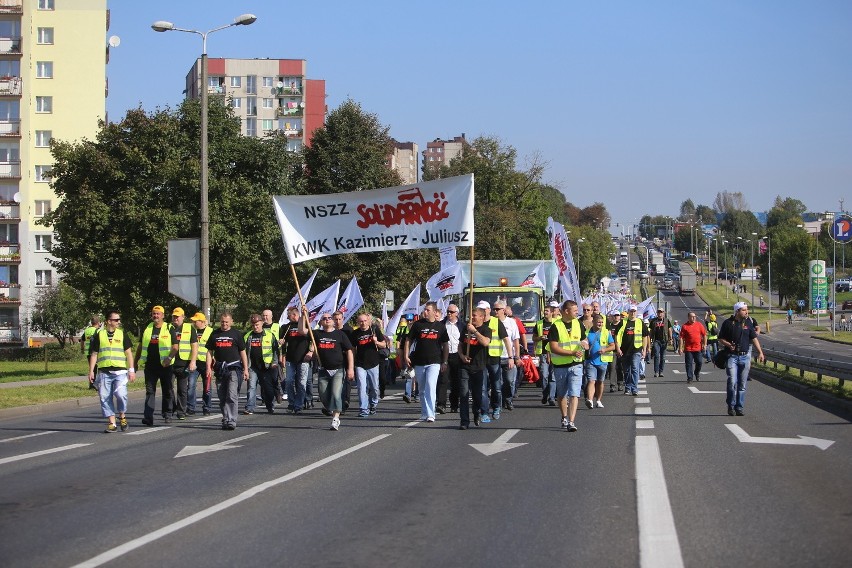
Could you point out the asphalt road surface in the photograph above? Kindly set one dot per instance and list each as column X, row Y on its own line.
column 662, row 479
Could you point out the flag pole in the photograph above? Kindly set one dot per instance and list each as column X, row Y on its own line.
column 470, row 300
column 303, row 313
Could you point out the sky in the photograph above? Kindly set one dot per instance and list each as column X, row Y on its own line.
column 636, row 104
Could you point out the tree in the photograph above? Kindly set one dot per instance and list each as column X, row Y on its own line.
column 125, row 194
column 727, row 202
column 705, row 215
column 687, row 210
column 59, row 311
column 787, row 211
column 791, row 249
column 740, row 223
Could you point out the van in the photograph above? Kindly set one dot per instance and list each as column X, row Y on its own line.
column 749, row 274
column 634, row 266
column 623, row 254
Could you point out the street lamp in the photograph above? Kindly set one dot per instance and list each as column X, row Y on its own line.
column 769, row 276
column 579, row 282
column 163, row 26
column 727, row 270
column 754, row 272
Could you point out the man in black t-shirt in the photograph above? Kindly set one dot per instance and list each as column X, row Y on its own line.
column 631, row 345
column 336, row 364
column 473, row 354
column 184, row 364
column 227, row 360
column 429, row 357
column 367, row 339
column 262, row 354
column 298, row 357
column 660, row 329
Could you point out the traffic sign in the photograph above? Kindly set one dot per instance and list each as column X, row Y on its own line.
column 801, row 303
column 841, row 229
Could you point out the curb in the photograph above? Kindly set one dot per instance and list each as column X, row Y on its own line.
column 809, row 394
column 59, row 406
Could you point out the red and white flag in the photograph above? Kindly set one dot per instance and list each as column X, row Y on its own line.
column 324, row 302
column 411, row 305
column 535, row 278
column 446, row 282
column 351, row 300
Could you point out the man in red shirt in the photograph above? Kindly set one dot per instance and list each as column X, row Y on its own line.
column 693, row 342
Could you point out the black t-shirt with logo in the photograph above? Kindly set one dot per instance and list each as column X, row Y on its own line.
column 366, row 353
column 331, row 346
column 295, row 344
column 226, row 345
column 95, row 346
column 154, row 360
column 630, row 327
column 659, row 329
column 427, row 338
column 478, row 352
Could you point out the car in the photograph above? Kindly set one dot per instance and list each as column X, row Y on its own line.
column 841, row 286
column 847, row 305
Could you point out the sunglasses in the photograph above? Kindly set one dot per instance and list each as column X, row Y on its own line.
column 115, row 319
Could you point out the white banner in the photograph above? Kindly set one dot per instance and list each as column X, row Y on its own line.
column 560, row 250
column 446, row 282
column 324, row 302
column 536, row 278
column 351, row 300
column 431, row 214
column 294, row 302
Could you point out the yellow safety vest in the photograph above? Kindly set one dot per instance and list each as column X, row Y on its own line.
column 568, row 340
column 87, row 336
column 164, row 342
column 265, row 345
column 202, row 343
column 184, row 346
column 495, row 348
column 276, row 331
column 539, row 331
column 111, row 351
column 637, row 332
column 712, row 331
column 605, row 340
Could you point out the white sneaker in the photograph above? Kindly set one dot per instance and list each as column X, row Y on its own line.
column 589, row 403
column 565, row 422
column 335, row 423
column 430, row 419
column 598, row 404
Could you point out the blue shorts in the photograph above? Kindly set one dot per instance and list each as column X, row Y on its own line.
column 596, row 372
column 569, row 381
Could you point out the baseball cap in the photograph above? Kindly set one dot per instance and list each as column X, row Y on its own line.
column 739, row 306
column 198, row 317
column 484, row 305
column 177, row 312
column 631, row 309
column 553, row 304
column 614, row 313
column 158, row 309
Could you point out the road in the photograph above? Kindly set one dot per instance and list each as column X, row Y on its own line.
column 663, row 479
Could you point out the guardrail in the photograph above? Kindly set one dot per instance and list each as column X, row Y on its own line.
column 840, row 370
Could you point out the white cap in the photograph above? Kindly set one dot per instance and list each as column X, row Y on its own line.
column 740, row 305
column 553, row 304
column 484, row 305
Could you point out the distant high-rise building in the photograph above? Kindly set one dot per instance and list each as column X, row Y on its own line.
column 52, row 85
column 404, row 161
column 267, row 95
column 440, row 152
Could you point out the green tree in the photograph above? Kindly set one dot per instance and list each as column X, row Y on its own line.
column 790, row 248
column 125, row 194
column 785, row 211
column 58, row 311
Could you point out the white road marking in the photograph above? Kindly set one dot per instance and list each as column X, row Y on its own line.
column 29, row 436
column 148, row 430
column 501, row 444
column 206, row 418
column 226, row 445
column 642, row 410
column 642, row 400
column 410, row 424
column 41, row 453
column 645, row 424
column 696, row 391
column 676, row 372
column 743, row 436
column 113, row 553
column 658, row 542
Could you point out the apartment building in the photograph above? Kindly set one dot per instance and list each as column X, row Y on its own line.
column 268, row 95
column 440, row 152
column 52, row 85
column 404, row 161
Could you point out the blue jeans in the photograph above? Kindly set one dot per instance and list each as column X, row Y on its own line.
column 632, row 369
column 545, row 373
column 206, row 398
column 737, row 369
column 298, row 375
column 472, row 385
column 569, row 381
column 659, row 348
column 675, row 341
column 509, row 377
column 331, row 389
column 266, row 378
column 427, row 378
column 251, row 395
column 712, row 349
column 112, row 388
column 693, row 361
column 368, row 388
column 595, row 373
column 495, row 380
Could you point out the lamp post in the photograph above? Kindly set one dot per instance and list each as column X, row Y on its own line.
column 754, row 273
column 727, row 270
column 579, row 282
column 769, row 277
column 164, row 26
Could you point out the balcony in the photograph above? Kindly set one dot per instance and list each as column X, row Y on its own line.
column 11, row 6
column 10, row 294
column 220, row 90
column 287, row 91
column 10, row 46
column 10, row 128
column 293, row 133
column 10, row 253
column 10, row 336
column 10, row 86
column 289, row 111
column 10, row 211
column 10, row 169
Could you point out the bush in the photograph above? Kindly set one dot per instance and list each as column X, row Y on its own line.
column 35, row 354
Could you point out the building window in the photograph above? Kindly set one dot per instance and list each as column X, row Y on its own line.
column 251, row 84
column 45, row 36
column 251, row 127
column 266, row 124
column 44, row 69
column 45, row 5
column 251, row 106
column 42, row 243
column 267, row 81
column 42, row 207
column 42, row 173
column 44, row 277
column 236, row 102
column 44, row 104
column 268, row 103
column 236, row 82
column 9, row 233
column 42, row 138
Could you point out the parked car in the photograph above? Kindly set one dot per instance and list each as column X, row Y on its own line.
column 847, row 305
column 841, row 286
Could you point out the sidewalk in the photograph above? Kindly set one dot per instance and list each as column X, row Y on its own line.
column 37, row 382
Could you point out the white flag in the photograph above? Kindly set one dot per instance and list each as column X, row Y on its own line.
column 409, row 306
column 384, row 315
column 324, row 302
column 351, row 300
column 446, row 282
column 448, row 257
column 560, row 250
column 536, row 278
column 294, row 303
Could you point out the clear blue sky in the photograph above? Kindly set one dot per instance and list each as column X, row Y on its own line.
column 637, row 104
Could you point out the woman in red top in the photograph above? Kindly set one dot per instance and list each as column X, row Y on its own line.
column 693, row 342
